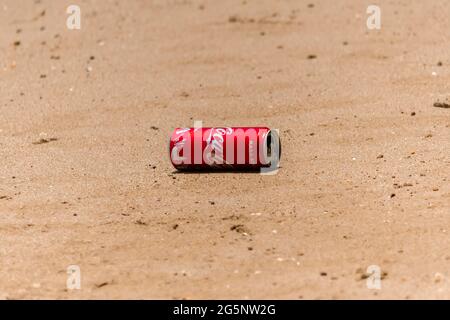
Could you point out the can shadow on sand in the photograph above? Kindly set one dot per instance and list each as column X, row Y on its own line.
column 213, row 170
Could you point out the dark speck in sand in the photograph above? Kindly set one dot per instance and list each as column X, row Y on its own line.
column 43, row 140
column 141, row 222
column 100, row 285
column 239, row 228
column 443, row 105
column 233, row 19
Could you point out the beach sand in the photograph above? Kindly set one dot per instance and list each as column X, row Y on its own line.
column 86, row 178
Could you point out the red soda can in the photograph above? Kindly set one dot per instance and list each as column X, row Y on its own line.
column 226, row 148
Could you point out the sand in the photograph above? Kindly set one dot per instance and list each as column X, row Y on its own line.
column 86, row 178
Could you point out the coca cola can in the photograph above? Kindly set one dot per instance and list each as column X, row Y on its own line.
column 226, row 148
